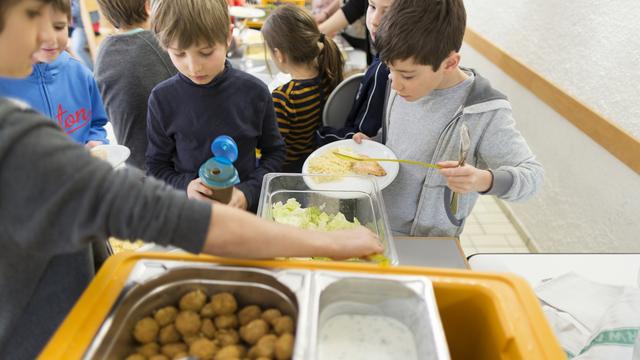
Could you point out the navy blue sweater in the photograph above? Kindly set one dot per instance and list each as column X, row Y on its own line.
column 184, row 118
column 366, row 112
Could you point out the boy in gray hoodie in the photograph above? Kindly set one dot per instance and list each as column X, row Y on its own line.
column 439, row 112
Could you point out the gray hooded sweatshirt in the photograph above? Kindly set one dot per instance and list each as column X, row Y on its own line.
column 55, row 199
column 418, row 207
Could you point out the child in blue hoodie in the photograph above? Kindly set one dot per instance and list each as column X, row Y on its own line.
column 61, row 87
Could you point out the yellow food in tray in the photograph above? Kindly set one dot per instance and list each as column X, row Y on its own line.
column 214, row 329
column 119, row 246
column 330, row 164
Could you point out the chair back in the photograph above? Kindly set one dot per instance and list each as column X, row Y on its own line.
column 339, row 102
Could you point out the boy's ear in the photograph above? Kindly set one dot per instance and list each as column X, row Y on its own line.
column 230, row 36
column 452, row 61
column 147, row 7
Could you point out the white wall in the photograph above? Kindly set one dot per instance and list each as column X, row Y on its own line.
column 590, row 201
column 590, row 48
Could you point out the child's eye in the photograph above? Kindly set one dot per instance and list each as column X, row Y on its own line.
column 205, row 54
column 180, row 54
column 60, row 27
column 372, row 6
column 32, row 14
column 407, row 77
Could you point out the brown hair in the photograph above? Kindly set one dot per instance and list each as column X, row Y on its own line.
column 190, row 22
column 293, row 32
column 64, row 6
column 425, row 30
column 5, row 5
column 124, row 12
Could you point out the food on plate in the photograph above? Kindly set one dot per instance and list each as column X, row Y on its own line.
column 331, row 164
column 367, row 167
column 100, row 154
column 231, row 332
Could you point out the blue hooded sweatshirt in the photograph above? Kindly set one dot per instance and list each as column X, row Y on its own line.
column 65, row 91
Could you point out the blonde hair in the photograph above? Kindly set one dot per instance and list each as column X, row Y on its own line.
column 189, row 22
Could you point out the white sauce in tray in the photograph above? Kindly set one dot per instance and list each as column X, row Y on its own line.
column 366, row 337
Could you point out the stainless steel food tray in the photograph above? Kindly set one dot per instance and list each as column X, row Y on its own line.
column 309, row 297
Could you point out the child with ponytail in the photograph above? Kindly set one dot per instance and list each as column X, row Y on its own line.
column 315, row 64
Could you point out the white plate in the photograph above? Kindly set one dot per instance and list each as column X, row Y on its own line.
column 116, row 154
column 369, row 148
column 243, row 12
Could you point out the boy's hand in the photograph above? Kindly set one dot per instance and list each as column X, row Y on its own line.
column 238, row 200
column 358, row 137
column 92, row 144
column 196, row 190
column 466, row 178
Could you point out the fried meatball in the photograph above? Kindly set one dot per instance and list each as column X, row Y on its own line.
column 283, row 324
column 231, row 352
column 169, row 334
column 189, row 339
column 249, row 313
column 159, row 357
column 136, row 356
column 207, row 311
column 149, row 349
column 188, row 323
column 270, row 314
column 265, row 347
column 166, row 315
column 193, row 300
column 226, row 321
column 208, row 329
column 224, row 304
column 146, row 330
column 284, row 347
column 180, row 356
column 253, row 331
column 227, row 337
column 173, row 349
column 203, row 349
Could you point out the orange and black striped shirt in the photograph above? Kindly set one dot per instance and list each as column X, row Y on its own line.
column 298, row 106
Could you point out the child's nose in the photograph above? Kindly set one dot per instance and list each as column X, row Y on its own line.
column 395, row 85
column 46, row 34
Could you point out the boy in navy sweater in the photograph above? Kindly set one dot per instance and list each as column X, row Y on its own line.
column 207, row 98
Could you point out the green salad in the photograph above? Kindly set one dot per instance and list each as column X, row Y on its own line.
column 314, row 218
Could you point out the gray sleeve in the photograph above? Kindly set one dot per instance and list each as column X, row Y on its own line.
column 56, row 197
column 517, row 174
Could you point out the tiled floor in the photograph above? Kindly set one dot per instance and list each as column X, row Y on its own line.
column 488, row 229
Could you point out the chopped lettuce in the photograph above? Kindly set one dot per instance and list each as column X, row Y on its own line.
column 292, row 213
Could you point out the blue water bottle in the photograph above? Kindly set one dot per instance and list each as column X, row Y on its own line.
column 218, row 173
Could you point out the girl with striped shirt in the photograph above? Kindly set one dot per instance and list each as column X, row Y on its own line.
column 315, row 64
